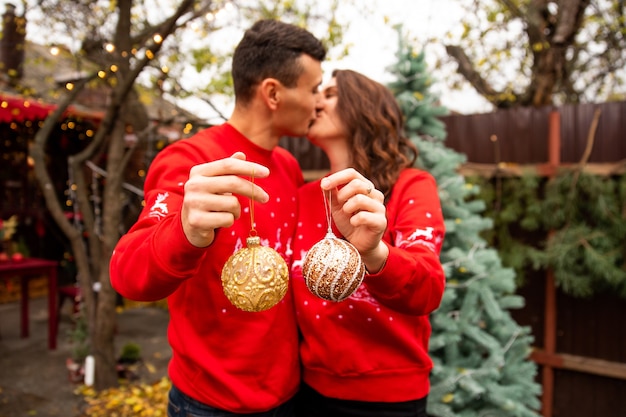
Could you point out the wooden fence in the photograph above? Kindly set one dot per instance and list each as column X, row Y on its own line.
column 580, row 350
column 580, row 344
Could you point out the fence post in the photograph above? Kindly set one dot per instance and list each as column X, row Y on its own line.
column 549, row 337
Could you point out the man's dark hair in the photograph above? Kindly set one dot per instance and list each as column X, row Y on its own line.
column 270, row 49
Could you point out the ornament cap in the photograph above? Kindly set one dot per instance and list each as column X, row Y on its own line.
column 252, row 241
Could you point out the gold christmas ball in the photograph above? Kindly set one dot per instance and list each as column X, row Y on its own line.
column 333, row 269
column 255, row 278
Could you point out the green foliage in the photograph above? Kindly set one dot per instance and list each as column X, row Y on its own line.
column 480, row 354
column 131, row 353
column 79, row 337
column 572, row 224
column 514, row 205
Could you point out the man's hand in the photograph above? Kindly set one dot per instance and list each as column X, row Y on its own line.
column 209, row 201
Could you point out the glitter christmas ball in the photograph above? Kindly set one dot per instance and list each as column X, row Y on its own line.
column 255, row 278
column 333, row 269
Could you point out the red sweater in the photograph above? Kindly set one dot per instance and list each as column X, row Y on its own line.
column 222, row 356
column 374, row 345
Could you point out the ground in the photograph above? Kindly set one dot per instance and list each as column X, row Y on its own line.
column 34, row 381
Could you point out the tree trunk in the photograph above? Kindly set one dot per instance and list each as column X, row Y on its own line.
column 93, row 254
column 103, row 345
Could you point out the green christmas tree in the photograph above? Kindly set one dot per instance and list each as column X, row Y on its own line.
column 480, row 354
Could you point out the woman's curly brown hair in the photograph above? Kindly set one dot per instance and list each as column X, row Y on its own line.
column 375, row 124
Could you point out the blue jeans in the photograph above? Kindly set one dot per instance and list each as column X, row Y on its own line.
column 181, row 405
column 311, row 403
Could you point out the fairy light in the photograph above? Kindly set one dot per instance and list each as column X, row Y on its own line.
column 109, row 47
column 72, row 187
column 221, row 14
column 157, row 38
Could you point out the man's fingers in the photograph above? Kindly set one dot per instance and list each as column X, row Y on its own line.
column 231, row 166
column 225, row 185
column 212, row 193
column 214, row 203
column 198, row 219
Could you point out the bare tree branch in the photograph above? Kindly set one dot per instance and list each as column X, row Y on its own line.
column 467, row 70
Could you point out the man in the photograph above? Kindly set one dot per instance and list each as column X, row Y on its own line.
column 227, row 361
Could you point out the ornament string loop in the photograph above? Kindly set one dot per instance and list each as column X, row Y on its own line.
column 328, row 204
column 252, row 228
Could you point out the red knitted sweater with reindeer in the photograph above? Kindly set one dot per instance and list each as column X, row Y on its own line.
column 373, row 346
column 221, row 356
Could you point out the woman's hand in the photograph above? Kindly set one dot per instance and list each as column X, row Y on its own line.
column 359, row 213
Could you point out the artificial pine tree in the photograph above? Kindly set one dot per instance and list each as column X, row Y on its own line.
column 480, row 354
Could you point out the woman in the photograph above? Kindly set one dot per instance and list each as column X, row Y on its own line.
column 368, row 355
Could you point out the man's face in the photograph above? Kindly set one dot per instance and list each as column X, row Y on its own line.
column 297, row 105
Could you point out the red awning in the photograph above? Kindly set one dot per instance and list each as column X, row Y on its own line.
column 18, row 109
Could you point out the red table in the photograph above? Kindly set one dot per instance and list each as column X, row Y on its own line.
column 26, row 269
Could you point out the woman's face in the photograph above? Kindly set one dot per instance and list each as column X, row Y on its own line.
column 327, row 126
